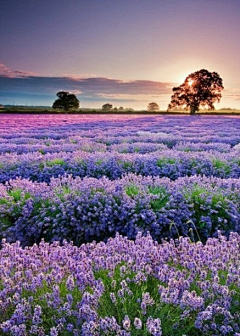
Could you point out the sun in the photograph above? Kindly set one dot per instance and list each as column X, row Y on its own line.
column 190, row 82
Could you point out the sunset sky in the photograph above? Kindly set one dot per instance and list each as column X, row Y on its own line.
column 124, row 52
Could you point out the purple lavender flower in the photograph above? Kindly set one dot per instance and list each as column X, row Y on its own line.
column 138, row 323
column 126, row 323
column 154, row 326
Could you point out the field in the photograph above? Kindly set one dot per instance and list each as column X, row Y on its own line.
column 119, row 225
column 126, row 111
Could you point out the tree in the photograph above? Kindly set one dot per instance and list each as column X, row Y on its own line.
column 200, row 88
column 65, row 101
column 153, row 107
column 107, row 107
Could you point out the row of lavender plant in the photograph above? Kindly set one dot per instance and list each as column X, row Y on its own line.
column 131, row 144
column 121, row 287
column 203, row 129
column 168, row 163
column 156, row 146
column 81, row 210
column 128, row 140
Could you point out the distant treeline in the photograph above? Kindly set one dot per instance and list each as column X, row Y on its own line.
column 49, row 110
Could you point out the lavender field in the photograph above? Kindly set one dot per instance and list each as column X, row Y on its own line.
column 119, row 225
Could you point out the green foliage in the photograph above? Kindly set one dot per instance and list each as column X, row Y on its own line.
column 55, row 162
column 163, row 161
column 49, row 314
column 98, row 162
column 12, row 206
column 97, row 190
column 156, row 190
column 132, row 190
column 127, row 165
column 130, row 303
column 221, row 165
column 211, row 209
column 73, row 141
column 62, row 192
column 161, row 198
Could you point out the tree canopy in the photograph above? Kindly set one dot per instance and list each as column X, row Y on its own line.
column 107, row 106
column 66, row 101
column 199, row 89
column 153, row 107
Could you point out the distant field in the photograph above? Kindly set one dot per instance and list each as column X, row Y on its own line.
column 40, row 110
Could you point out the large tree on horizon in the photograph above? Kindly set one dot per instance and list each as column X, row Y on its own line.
column 66, row 101
column 199, row 89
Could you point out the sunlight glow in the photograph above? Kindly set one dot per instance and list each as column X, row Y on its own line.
column 190, row 82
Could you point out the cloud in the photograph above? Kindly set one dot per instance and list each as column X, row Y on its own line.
column 108, row 86
column 96, row 88
column 28, row 87
column 7, row 72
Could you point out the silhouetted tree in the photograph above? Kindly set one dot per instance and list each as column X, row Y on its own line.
column 200, row 88
column 153, row 107
column 121, row 108
column 107, row 107
column 66, row 101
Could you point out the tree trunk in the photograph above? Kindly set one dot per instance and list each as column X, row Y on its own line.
column 192, row 110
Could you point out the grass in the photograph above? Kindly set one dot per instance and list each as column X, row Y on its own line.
column 12, row 206
column 161, row 197
column 221, row 165
column 54, row 162
column 163, row 161
column 208, row 204
column 132, row 190
column 130, row 302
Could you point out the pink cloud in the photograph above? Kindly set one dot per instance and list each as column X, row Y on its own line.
column 7, row 72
